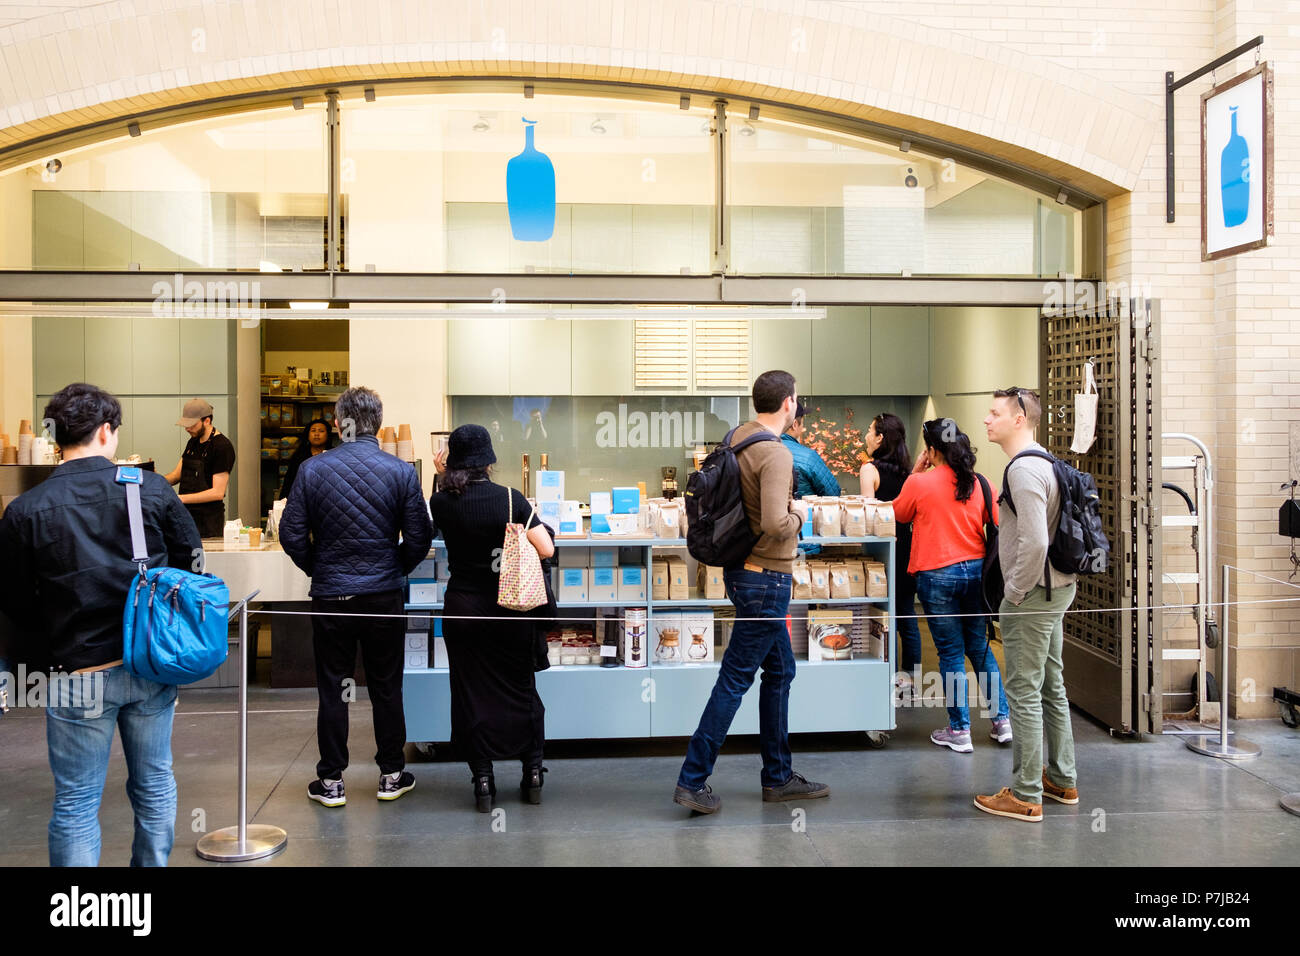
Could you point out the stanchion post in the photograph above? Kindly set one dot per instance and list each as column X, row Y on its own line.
column 1209, row 746
column 241, row 842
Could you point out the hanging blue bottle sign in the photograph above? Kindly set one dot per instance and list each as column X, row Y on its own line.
column 530, row 192
column 1234, row 173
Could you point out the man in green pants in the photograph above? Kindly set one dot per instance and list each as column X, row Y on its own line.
column 1032, row 608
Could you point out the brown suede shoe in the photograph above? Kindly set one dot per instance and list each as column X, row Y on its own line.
column 1066, row 795
column 1004, row 803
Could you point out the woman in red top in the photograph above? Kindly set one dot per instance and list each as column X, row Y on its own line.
column 944, row 501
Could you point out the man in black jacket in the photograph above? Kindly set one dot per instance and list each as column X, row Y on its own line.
column 357, row 524
column 65, row 569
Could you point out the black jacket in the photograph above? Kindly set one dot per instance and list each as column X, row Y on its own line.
column 343, row 519
column 65, row 559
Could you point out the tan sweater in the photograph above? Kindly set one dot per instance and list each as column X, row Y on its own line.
column 767, row 486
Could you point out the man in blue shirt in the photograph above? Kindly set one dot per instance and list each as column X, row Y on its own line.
column 811, row 476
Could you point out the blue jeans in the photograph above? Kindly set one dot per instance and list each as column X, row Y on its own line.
column 761, row 643
column 79, row 732
column 956, row 590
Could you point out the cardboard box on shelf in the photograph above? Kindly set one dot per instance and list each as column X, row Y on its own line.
column 679, row 587
column 877, row 580
column 711, row 584
column 574, row 557
column 659, row 580
column 573, row 585
column 604, row 585
column 601, row 506
column 697, row 636
column 830, row 634
column 604, row 557
column 570, row 517
column 636, row 649
column 668, row 645
column 425, row 592
column 631, row 583
column 417, row 660
column 428, row 568
column 419, row 622
column 550, row 486
column 625, row 501
column 443, row 568
column 440, row 653
column 417, row 641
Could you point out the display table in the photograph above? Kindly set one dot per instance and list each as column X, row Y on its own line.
column 666, row 700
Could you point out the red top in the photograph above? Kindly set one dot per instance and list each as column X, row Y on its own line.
column 945, row 531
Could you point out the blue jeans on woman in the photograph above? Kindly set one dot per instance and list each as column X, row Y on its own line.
column 955, row 590
column 84, row 709
column 761, row 643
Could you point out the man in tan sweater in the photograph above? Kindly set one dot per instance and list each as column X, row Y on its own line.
column 760, row 591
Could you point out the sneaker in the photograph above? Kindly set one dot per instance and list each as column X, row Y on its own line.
column 1067, row 795
column 393, row 785
column 701, row 801
column 1001, row 731
column 798, row 787
column 958, row 740
column 1004, row 803
column 328, row 793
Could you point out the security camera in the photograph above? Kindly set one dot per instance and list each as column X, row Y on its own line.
column 53, row 166
column 910, row 181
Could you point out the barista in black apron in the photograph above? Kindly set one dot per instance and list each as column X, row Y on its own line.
column 207, row 453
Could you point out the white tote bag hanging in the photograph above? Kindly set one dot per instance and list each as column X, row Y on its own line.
column 1085, row 413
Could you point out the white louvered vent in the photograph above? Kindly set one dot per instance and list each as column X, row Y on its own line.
column 722, row 353
column 663, row 353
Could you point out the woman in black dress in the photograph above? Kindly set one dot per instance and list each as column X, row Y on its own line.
column 496, row 713
column 882, row 478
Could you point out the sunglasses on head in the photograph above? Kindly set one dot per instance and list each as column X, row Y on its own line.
column 1015, row 390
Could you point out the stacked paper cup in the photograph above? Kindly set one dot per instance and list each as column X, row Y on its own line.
column 25, row 437
column 8, row 451
column 405, row 444
column 388, row 440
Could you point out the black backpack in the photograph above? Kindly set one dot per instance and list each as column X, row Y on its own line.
column 718, row 531
column 1079, row 545
column 991, row 576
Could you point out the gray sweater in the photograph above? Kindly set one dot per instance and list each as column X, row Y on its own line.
column 1024, row 534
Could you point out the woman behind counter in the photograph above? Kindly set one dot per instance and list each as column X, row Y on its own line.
column 496, row 713
column 319, row 438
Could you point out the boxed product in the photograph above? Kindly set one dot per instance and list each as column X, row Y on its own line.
column 635, row 652
column 885, row 524
column 826, row 520
column 428, row 568
column 668, row 520
column 659, row 580
column 443, row 567
column 417, row 641
column 819, row 572
column 425, row 591
column 667, row 637
column 417, row 651
column 877, row 579
column 440, row 652
column 573, row 585
column 625, row 501
column 419, row 623
column 604, row 557
column 601, row 506
column 679, row 588
column 548, row 512
column 875, row 637
column 711, row 584
column 830, row 634
column 573, row 557
column 604, row 585
column 857, row 579
column 631, row 583
column 570, row 518
column 697, row 636
column 550, row 486
column 840, row 586
column 797, row 625
column 801, row 582
column 855, row 523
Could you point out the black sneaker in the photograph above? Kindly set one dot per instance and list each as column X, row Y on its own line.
column 393, row 785
column 701, row 801
column 798, row 787
column 328, row 793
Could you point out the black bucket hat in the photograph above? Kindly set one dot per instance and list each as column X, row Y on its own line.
column 469, row 446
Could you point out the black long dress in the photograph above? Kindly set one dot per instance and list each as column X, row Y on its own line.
column 496, row 713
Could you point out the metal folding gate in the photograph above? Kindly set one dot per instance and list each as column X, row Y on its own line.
column 1112, row 658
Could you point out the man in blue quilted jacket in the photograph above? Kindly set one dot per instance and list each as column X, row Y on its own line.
column 357, row 525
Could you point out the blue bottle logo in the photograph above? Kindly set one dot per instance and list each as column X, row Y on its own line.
column 530, row 191
column 1234, row 174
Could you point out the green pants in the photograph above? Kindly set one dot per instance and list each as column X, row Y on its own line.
column 1034, row 679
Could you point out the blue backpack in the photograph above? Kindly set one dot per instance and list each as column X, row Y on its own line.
column 174, row 628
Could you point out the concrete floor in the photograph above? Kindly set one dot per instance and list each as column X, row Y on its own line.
column 1148, row 803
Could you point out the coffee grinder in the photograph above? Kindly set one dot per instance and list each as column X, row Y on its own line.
column 669, row 487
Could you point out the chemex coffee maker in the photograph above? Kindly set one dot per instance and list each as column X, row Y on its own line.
column 669, row 486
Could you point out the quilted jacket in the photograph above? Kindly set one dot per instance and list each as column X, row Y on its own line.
column 344, row 516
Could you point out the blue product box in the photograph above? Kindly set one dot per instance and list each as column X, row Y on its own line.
column 550, row 485
column 604, row 585
column 626, row 501
column 548, row 512
column 604, row 557
column 600, row 507
column 631, row 583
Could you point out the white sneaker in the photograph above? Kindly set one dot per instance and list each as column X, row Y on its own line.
column 958, row 740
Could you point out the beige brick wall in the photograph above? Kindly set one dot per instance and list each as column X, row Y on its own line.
column 1074, row 90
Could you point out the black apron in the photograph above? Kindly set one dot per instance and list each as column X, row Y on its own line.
column 210, row 515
